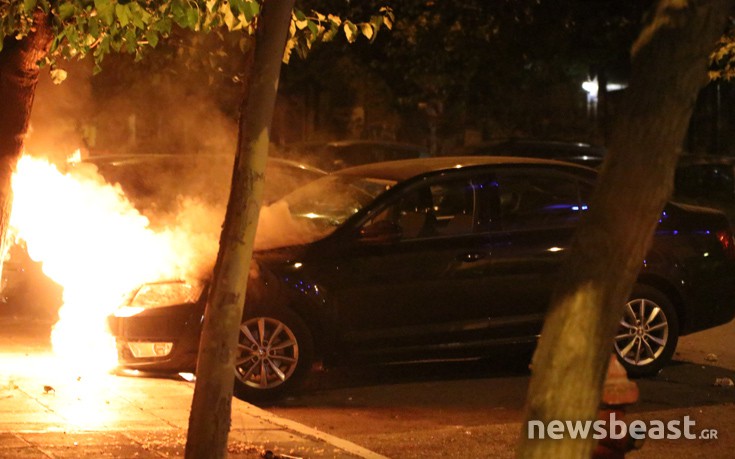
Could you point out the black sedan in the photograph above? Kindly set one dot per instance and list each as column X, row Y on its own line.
column 431, row 259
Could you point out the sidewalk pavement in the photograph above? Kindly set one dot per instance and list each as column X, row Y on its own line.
column 47, row 412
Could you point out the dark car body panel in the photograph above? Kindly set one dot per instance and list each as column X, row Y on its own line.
column 458, row 295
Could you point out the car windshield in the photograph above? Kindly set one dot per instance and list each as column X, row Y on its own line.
column 315, row 210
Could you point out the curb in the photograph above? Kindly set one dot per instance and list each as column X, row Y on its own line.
column 312, row 433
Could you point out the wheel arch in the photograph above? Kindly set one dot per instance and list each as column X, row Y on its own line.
column 306, row 314
column 671, row 292
column 311, row 318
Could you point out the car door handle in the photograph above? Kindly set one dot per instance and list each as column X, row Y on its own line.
column 471, row 257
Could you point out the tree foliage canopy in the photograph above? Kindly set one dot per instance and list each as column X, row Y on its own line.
column 99, row 27
column 722, row 60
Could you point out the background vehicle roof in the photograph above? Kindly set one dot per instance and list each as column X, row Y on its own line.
column 577, row 152
column 341, row 154
column 408, row 168
column 119, row 160
column 687, row 160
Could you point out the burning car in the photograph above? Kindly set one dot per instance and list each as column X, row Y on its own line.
column 429, row 259
column 155, row 184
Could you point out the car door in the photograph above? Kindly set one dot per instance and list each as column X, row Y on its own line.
column 540, row 208
column 407, row 294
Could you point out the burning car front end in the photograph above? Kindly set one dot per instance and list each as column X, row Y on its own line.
column 158, row 328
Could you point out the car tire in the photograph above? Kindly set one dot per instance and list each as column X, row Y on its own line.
column 648, row 332
column 275, row 352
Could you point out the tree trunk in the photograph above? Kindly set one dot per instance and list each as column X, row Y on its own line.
column 669, row 66
column 18, row 78
column 209, row 422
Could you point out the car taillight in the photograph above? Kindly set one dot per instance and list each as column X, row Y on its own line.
column 727, row 243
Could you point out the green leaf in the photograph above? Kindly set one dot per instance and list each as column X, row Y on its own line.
column 94, row 29
column 137, row 15
column 28, row 6
column 192, row 16
column 105, row 45
column 184, row 14
column 248, row 8
column 152, row 37
column 313, row 28
column 131, row 41
column 74, row 42
column 331, row 33
column 106, row 10
column 335, row 20
column 123, row 14
column 66, row 10
column 388, row 16
column 55, row 44
column 350, row 31
column 163, row 26
column 376, row 22
column 252, row 8
column 367, row 30
column 178, row 13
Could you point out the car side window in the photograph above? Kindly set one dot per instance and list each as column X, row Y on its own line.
column 436, row 210
column 529, row 201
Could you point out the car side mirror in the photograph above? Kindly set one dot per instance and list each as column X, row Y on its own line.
column 381, row 232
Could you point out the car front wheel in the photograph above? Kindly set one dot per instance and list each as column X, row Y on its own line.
column 648, row 332
column 275, row 352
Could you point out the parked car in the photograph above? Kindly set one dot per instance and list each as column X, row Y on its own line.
column 707, row 181
column 340, row 154
column 575, row 152
column 432, row 258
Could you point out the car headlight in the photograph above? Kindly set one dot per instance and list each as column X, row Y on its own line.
column 159, row 294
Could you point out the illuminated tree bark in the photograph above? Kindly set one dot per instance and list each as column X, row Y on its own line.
column 669, row 66
column 209, row 423
column 19, row 72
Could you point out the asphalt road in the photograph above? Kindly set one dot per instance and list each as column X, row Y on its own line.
column 474, row 409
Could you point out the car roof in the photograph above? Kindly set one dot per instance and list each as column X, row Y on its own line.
column 688, row 160
column 551, row 145
column 407, row 168
column 352, row 143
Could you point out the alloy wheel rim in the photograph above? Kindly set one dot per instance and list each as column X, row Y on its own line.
column 268, row 353
column 643, row 332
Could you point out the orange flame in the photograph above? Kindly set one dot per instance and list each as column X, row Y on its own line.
column 98, row 247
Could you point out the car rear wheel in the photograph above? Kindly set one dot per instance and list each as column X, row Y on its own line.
column 275, row 352
column 648, row 332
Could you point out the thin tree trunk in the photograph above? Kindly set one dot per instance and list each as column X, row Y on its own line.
column 209, row 422
column 669, row 67
column 18, row 78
